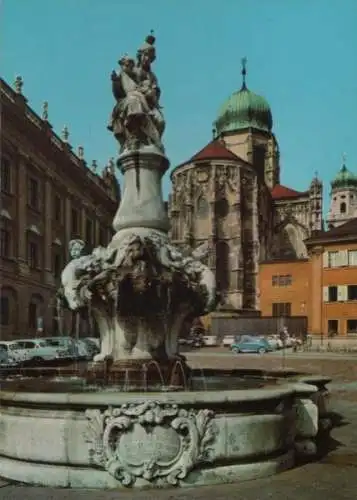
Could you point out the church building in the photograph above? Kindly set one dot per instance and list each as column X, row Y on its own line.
column 229, row 195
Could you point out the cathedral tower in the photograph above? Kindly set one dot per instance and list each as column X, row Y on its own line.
column 343, row 197
column 245, row 125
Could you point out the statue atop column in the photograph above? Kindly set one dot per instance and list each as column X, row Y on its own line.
column 137, row 120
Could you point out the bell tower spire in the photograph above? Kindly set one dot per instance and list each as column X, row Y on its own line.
column 244, row 73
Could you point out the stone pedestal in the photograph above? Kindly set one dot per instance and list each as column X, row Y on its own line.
column 142, row 203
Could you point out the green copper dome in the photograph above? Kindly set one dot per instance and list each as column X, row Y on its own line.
column 344, row 179
column 244, row 109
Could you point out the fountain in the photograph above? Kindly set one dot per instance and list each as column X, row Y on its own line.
column 136, row 416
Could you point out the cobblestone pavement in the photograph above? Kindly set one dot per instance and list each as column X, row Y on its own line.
column 339, row 369
column 334, row 476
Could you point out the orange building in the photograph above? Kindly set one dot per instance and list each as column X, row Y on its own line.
column 323, row 287
column 284, row 288
column 334, row 281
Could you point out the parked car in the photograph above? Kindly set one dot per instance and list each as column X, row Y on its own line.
column 228, row 340
column 251, row 344
column 37, row 351
column 210, row 340
column 12, row 350
column 6, row 358
column 275, row 342
column 70, row 347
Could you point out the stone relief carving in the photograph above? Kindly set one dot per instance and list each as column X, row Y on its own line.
column 233, row 178
column 158, row 442
column 221, row 180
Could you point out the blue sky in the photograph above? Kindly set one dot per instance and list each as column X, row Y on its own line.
column 301, row 57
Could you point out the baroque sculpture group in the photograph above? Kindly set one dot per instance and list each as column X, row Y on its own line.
column 140, row 289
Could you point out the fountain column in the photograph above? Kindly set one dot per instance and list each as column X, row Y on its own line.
column 142, row 204
column 141, row 289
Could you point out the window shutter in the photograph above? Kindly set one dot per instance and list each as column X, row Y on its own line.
column 325, row 294
column 325, row 259
column 343, row 257
column 342, row 293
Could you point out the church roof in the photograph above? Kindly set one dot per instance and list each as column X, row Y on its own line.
column 348, row 230
column 215, row 150
column 280, row 192
column 344, row 179
column 244, row 109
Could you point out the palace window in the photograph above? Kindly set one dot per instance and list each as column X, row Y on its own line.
column 332, row 293
column 281, row 280
column 89, row 232
column 343, row 208
column 351, row 326
column 352, row 257
column 32, row 315
column 5, row 175
column 57, row 264
column 74, row 222
column 281, row 309
column 352, row 292
column 332, row 327
column 333, row 259
column 4, row 311
column 57, row 209
column 32, row 255
column 5, row 242
column 33, row 193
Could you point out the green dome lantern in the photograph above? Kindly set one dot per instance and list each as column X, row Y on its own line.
column 244, row 109
column 344, row 179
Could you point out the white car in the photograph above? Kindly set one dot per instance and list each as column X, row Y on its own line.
column 37, row 350
column 210, row 340
column 13, row 352
column 275, row 342
column 228, row 340
column 7, row 359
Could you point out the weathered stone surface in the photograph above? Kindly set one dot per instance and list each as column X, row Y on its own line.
column 145, row 440
column 141, row 290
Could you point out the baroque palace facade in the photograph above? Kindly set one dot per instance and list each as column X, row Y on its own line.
column 229, row 195
column 48, row 197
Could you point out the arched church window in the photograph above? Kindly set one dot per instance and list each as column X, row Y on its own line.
column 343, row 208
column 202, row 207
column 221, row 208
column 222, row 265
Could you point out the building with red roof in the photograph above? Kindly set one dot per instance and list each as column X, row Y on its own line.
column 229, row 194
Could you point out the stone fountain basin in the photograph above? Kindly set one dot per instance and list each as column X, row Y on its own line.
column 157, row 439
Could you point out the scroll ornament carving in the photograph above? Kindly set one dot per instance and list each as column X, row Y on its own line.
column 157, row 442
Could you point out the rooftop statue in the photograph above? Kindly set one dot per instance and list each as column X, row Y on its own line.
column 137, row 120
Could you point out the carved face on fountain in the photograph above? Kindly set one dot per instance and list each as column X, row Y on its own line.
column 76, row 248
